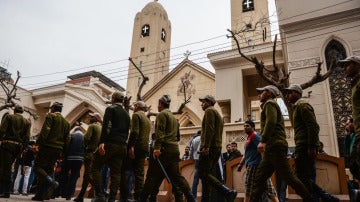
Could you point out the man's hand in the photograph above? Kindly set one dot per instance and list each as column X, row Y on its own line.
column 261, row 147
column 156, row 153
column 131, row 153
column 205, row 151
column 312, row 153
column 102, row 149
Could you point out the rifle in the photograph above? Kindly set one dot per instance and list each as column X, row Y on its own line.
column 163, row 170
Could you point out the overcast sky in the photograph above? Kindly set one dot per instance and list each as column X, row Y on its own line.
column 48, row 40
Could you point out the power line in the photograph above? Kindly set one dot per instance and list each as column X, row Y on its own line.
column 123, row 76
column 113, row 62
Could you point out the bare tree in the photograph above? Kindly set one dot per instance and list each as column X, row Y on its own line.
column 10, row 93
column 279, row 77
column 139, row 98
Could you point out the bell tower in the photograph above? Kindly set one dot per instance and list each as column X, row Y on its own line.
column 150, row 48
column 251, row 18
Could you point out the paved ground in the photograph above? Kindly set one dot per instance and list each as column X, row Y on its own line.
column 28, row 198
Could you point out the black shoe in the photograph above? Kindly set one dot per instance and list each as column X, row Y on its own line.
column 79, row 199
column 231, row 195
column 330, row 198
column 5, row 195
column 36, row 198
column 51, row 186
column 99, row 199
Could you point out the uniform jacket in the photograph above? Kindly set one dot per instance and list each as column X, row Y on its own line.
column 305, row 126
column 16, row 128
column 116, row 125
column 212, row 128
column 54, row 132
column 92, row 137
column 272, row 126
column 166, row 129
column 140, row 131
column 355, row 92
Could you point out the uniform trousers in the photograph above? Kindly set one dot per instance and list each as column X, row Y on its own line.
column 275, row 159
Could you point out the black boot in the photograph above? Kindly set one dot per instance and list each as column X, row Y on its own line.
column 324, row 195
column 5, row 195
column 144, row 197
column 80, row 197
column 112, row 195
column 229, row 194
column 99, row 194
column 179, row 198
column 6, row 190
column 39, row 191
column 189, row 196
column 50, row 185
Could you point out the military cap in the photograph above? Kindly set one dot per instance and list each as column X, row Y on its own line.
column 57, row 104
column 208, row 98
column 96, row 115
column 117, row 95
column 355, row 59
column 294, row 87
column 165, row 99
column 140, row 104
column 18, row 108
column 273, row 89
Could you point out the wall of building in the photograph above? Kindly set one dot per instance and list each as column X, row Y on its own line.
column 306, row 30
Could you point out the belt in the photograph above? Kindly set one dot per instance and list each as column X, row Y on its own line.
column 12, row 142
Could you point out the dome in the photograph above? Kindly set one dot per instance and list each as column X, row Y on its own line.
column 154, row 6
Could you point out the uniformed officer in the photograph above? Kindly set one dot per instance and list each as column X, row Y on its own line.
column 210, row 148
column 307, row 140
column 14, row 136
column 274, row 145
column 91, row 139
column 53, row 140
column 139, row 144
column 166, row 148
column 351, row 67
column 112, row 147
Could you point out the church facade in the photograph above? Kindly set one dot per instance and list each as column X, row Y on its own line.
column 310, row 33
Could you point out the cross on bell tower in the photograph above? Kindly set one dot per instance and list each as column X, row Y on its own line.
column 150, row 47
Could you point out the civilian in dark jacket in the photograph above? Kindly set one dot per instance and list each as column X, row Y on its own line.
column 25, row 167
column 72, row 162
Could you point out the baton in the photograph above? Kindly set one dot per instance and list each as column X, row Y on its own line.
column 164, row 171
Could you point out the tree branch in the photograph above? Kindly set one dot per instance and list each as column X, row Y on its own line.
column 238, row 45
column 318, row 77
column 143, row 82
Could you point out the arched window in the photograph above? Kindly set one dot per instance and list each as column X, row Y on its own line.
column 340, row 90
column 336, row 50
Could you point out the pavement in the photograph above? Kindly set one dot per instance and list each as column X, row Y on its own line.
column 19, row 198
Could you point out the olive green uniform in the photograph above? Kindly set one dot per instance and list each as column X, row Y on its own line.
column 14, row 134
column 306, row 137
column 139, row 139
column 211, row 137
column 275, row 155
column 91, row 139
column 354, row 161
column 53, row 139
column 114, row 134
column 166, row 139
